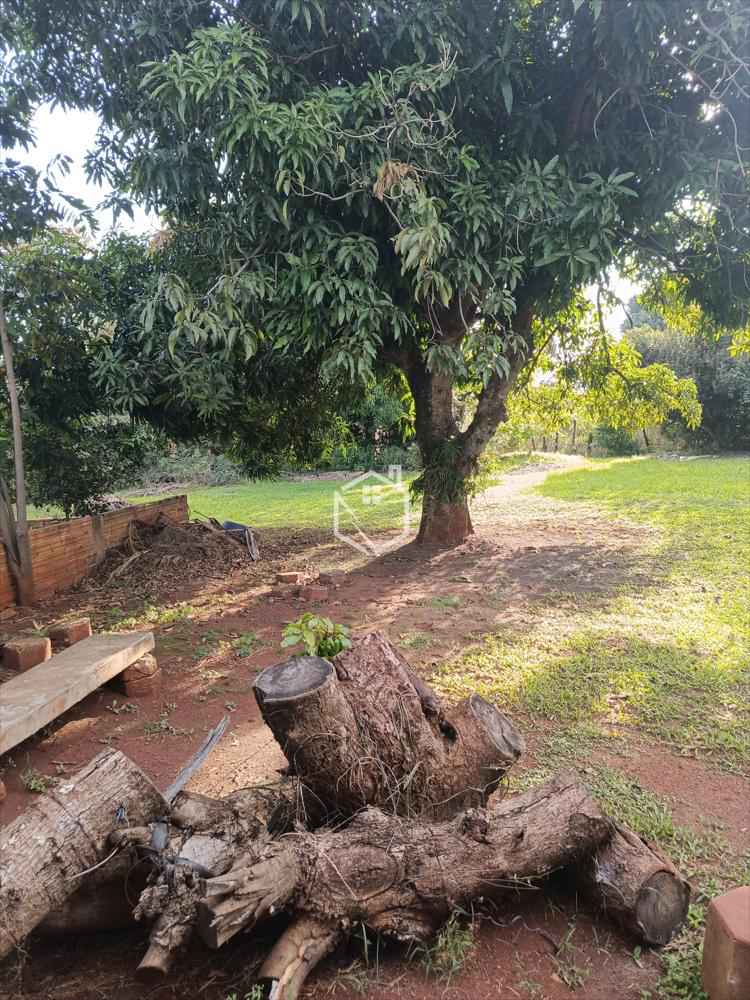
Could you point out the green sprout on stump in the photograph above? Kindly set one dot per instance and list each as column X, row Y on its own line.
column 320, row 636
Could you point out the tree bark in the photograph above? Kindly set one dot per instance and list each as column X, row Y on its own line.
column 364, row 731
column 444, row 523
column 445, row 517
column 104, row 900
column 24, row 573
column 404, row 877
column 294, row 956
column 638, row 887
column 44, row 852
column 450, row 457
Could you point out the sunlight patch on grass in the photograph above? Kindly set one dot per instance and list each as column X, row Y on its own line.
column 672, row 657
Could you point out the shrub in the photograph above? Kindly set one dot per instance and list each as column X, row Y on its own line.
column 614, row 441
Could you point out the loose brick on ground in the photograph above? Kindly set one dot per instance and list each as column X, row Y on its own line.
column 726, row 947
column 142, row 677
column 67, row 633
column 26, row 652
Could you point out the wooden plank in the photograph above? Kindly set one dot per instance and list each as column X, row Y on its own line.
column 36, row 697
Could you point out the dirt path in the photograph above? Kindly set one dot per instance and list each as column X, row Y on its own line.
column 434, row 604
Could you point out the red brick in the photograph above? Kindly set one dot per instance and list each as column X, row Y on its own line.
column 145, row 667
column 313, row 593
column 25, row 652
column 67, row 633
column 140, row 678
column 143, row 685
column 293, row 576
column 726, row 946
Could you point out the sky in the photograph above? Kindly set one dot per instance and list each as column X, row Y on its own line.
column 72, row 133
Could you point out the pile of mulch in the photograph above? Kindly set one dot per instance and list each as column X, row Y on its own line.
column 161, row 553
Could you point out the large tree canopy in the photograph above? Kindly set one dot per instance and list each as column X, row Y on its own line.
column 423, row 184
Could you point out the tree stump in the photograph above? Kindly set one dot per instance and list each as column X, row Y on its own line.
column 45, row 852
column 364, row 731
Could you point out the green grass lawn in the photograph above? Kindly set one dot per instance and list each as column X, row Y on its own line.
column 309, row 503
column 672, row 655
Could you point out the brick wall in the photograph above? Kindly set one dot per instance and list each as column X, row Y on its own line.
column 63, row 552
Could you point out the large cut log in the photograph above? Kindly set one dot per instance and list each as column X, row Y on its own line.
column 364, row 731
column 47, row 849
column 105, row 899
column 404, row 877
column 638, row 887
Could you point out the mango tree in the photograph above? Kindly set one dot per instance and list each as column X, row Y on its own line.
column 427, row 184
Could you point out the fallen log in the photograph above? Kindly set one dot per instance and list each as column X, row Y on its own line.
column 404, row 877
column 637, row 886
column 417, row 835
column 46, row 850
column 105, row 899
column 364, row 731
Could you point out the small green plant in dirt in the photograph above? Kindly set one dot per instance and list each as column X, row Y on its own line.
column 162, row 726
column 447, row 954
column 681, row 979
column 573, row 975
column 148, row 614
column 35, row 781
column 415, row 640
column 210, row 643
column 449, row 601
column 245, row 644
column 320, row 636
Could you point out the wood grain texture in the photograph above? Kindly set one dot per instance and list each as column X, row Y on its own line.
column 39, row 695
column 65, row 832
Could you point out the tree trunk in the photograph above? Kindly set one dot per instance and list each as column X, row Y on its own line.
column 445, row 510
column 101, row 903
column 573, row 435
column 638, row 887
column 444, row 524
column 404, row 877
column 365, row 731
column 23, row 570
column 45, row 852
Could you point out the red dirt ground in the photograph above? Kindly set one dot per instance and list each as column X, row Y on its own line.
column 498, row 576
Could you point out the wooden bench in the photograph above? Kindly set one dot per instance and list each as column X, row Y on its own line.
column 39, row 695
